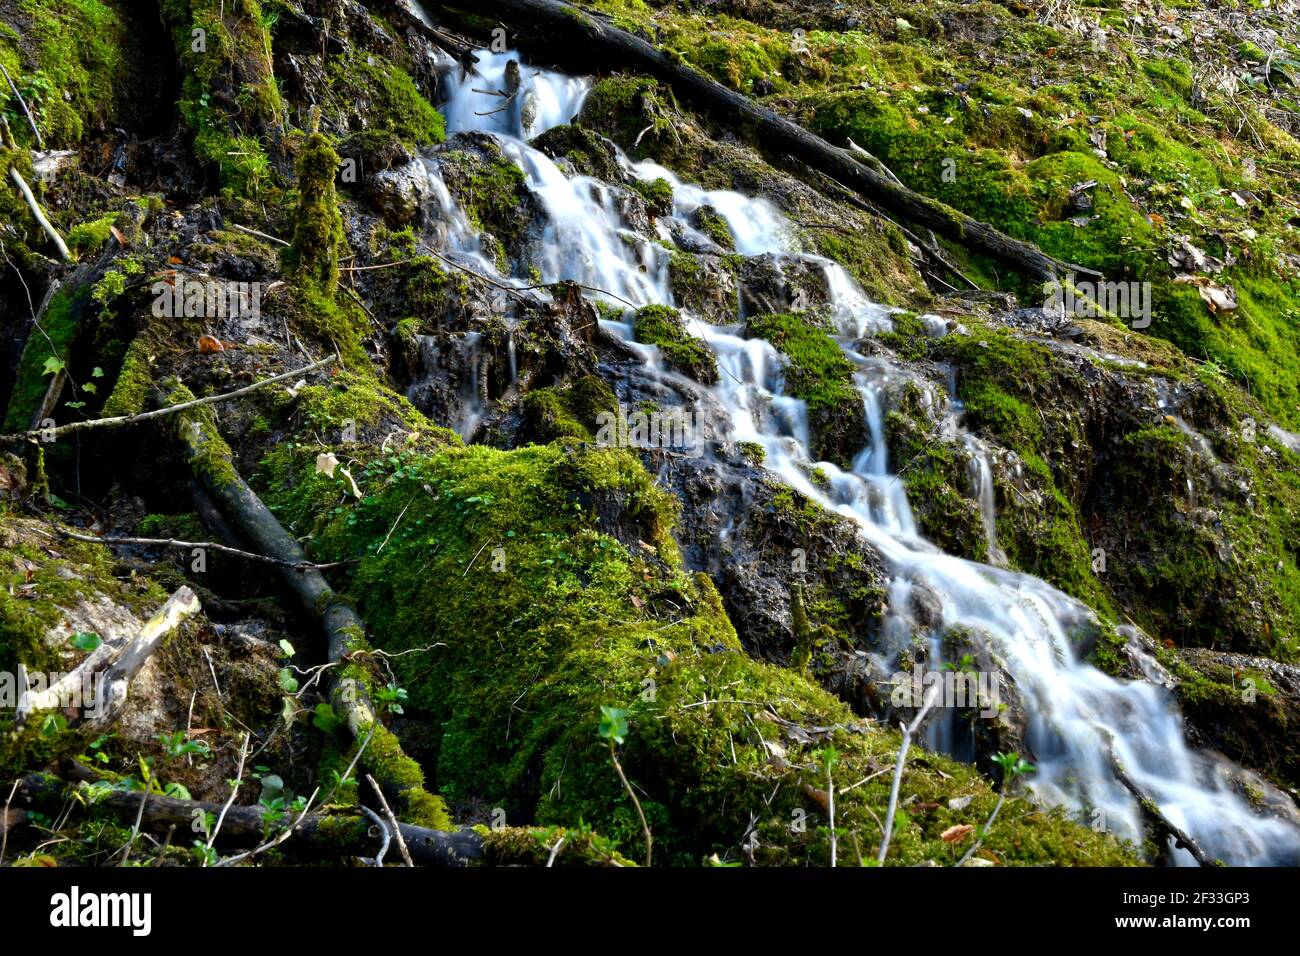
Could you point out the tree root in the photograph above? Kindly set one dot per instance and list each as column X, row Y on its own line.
column 344, row 631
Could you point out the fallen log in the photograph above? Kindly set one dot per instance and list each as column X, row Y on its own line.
column 116, row 665
column 331, row 834
column 343, row 630
column 562, row 32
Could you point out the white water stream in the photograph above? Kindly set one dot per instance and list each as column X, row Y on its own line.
column 1072, row 708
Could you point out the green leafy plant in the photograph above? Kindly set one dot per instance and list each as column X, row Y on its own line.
column 390, row 698
column 613, row 730
column 177, row 745
column 1013, row 767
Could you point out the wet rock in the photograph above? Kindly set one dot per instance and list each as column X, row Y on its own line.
column 586, row 151
column 776, row 283
column 800, row 585
column 705, row 285
column 1247, row 707
column 400, row 195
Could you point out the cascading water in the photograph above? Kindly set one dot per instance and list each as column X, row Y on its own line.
column 1076, row 714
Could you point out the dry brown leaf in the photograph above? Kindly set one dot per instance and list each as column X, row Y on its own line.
column 821, row 798
column 955, row 834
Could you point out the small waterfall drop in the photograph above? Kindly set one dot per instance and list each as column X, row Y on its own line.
column 1076, row 714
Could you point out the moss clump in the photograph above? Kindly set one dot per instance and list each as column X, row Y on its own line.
column 621, row 106
column 230, row 98
column 131, row 390
column 45, row 353
column 658, row 195
column 66, row 60
column 492, row 191
column 570, row 411
column 710, row 222
column 662, row 326
column 533, row 846
column 571, row 594
column 818, row 371
column 313, row 256
column 589, row 152
column 90, row 236
column 935, row 475
column 393, row 106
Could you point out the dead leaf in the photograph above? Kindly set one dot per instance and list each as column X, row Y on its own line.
column 820, row 797
column 955, row 834
column 117, row 234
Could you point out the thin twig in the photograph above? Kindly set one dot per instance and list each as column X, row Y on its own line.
column 239, row 779
column 23, row 103
column 555, row 851
column 120, row 420
column 1002, row 798
column 392, row 819
column 4, row 834
column 260, row 235
column 139, row 818
column 384, row 831
column 908, row 731
column 44, row 223
column 206, row 545
column 645, row 827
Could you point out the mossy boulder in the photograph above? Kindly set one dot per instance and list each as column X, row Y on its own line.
column 662, row 326
column 571, row 595
column 492, row 191
column 818, row 372
column 589, row 153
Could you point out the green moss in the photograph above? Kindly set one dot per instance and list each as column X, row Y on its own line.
column 568, row 411
column 713, row 225
column 588, row 152
column 236, row 45
column 657, row 193
column 313, row 256
column 491, row 190
column 534, row 846
column 662, row 326
column 818, row 371
column 393, row 104
column 134, row 381
column 66, row 59
column 60, row 324
column 90, row 236
column 571, row 594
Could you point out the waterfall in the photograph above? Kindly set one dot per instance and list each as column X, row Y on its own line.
column 1075, row 712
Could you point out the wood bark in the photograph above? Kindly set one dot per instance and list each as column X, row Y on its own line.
column 328, row 834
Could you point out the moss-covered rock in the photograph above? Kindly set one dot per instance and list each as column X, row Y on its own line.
column 662, row 326
column 570, row 595
column 818, row 373
column 313, row 256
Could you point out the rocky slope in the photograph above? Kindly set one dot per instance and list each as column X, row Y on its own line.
column 515, row 574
